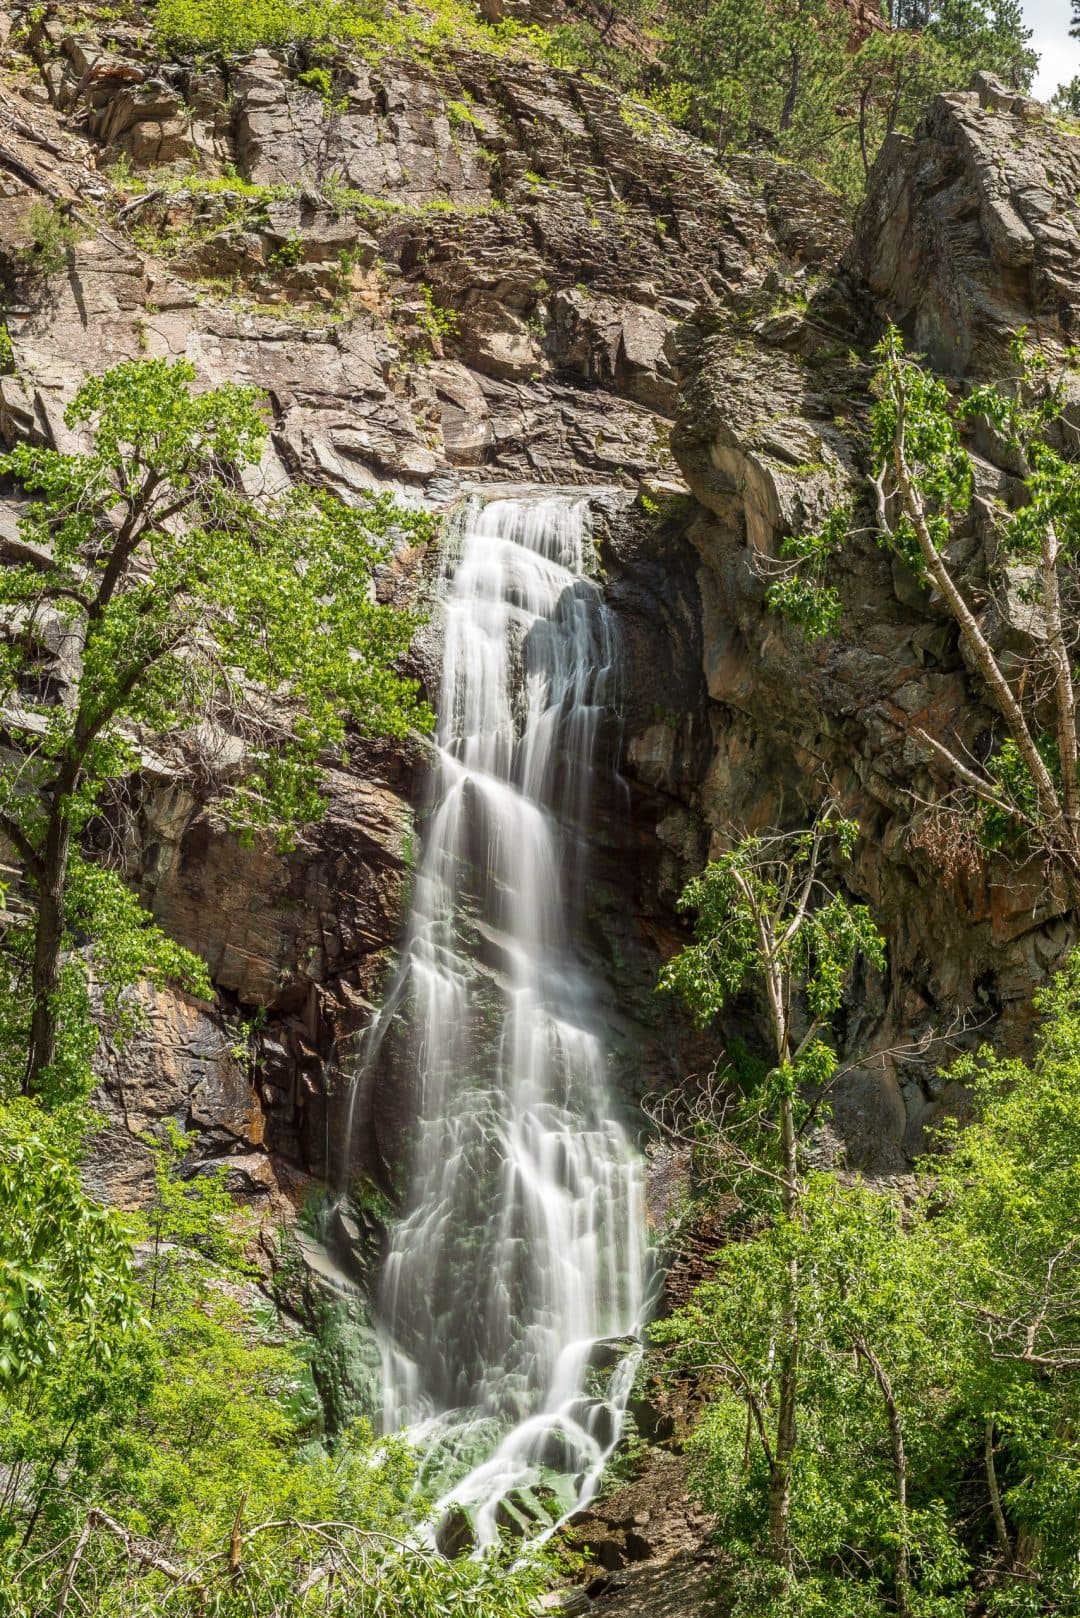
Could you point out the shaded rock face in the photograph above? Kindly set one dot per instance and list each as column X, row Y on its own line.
column 179, row 1065
column 298, row 943
column 954, row 242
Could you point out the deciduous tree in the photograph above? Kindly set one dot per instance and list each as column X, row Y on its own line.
column 769, row 918
column 154, row 594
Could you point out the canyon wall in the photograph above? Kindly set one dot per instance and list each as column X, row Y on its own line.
column 483, row 270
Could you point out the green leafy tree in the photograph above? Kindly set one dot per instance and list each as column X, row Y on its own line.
column 167, row 597
column 936, row 1460
column 769, row 919
column 68, row 1300
column 759, row 69
column 888, row 82
column 1066, row 99
column 172, row 1461
column 65, row 1270
column 923, row 486
column 986, row 34
column 878, row 1424
column 1007, row 1217
column 794, row 77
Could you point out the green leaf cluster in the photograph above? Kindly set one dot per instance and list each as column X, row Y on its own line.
column 762, row 876
column 950, row 1321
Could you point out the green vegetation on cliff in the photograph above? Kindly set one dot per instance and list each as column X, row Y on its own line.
column 891, row 1388
column 790, row 76
column 161, row 599
column 161, row 1448
column 1024, row 795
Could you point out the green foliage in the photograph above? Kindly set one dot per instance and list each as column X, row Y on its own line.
column 367, row 26
column 785, row 75
column 289, row 254
column 52, row 237
column 751, row 67
column 922, row 409
column 865, row 1288
column 989, row 34
column 113, row 945
column 768, row 917
column 1027, row 793
column 1007, row 1212
column 166, row 1406
column 762, row 878
column 434, row 320
column 936, row 1462
column 7, row 352
column 190, row 604
column 462, row 114
column 65, row 1270
column 802, row 595
column 1066, row 100
column 319, row 79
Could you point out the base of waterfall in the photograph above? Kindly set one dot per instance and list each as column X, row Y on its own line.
column 523, row 1481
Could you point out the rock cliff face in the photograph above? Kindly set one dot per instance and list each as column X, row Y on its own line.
column 967, row 234
column 439, row 276
column 486, row 270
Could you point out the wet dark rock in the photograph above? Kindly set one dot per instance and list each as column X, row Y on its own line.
column 454, row 1535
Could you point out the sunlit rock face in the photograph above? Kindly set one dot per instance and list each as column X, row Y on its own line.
column 565, row 242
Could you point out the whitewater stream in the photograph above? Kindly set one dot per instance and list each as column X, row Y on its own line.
column 514, row 1285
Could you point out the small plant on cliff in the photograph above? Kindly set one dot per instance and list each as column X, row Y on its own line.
column 923, row 481
column 366, row 26
column 158, row 596
column 52, row 237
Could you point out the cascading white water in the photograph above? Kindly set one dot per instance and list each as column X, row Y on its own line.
column 521, row 1249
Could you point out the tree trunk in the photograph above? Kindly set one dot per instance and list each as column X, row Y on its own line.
column 786, row 1424
column 48, row 942
column 1007, row 705
column 1064, row 698
column 1000, row 1526
column 902, row 1564
column 787, row 112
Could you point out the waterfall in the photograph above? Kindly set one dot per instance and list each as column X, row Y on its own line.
column 515, row 1278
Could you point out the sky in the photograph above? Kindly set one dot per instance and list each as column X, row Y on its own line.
column 1049, row 20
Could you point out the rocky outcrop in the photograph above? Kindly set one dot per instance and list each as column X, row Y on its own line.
column 439, row 275
column 489, row 270
column 972, row 228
